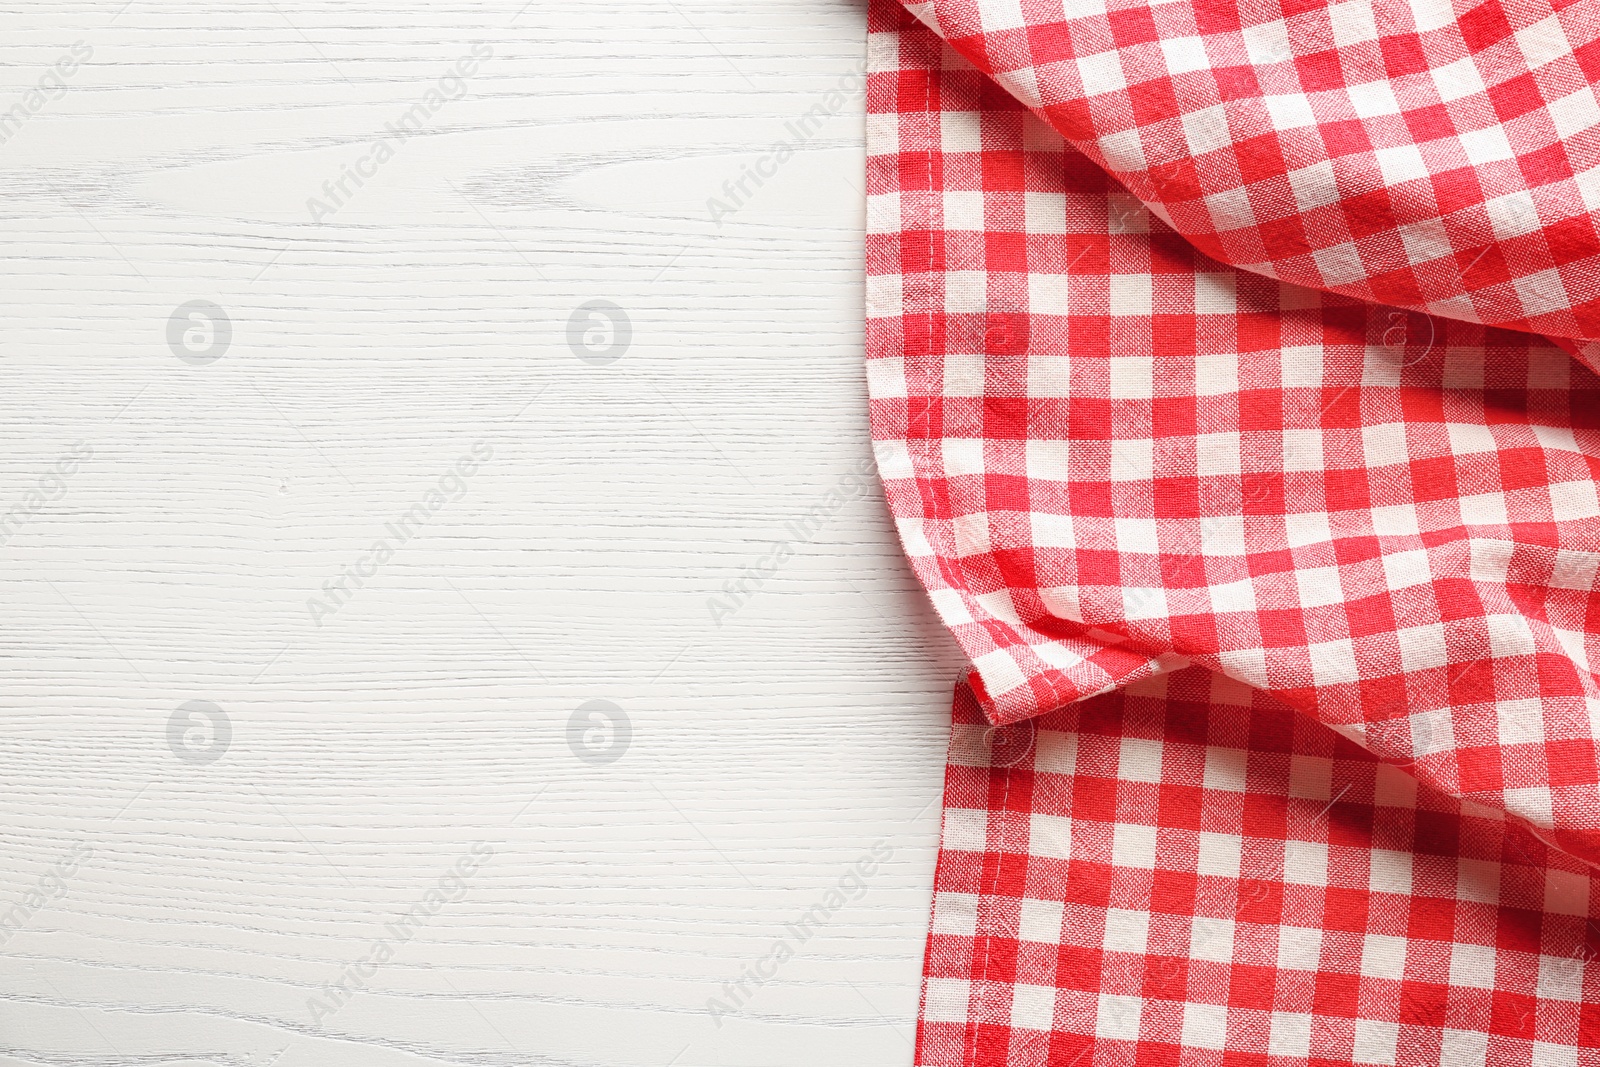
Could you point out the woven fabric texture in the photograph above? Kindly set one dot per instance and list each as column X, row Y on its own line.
column 1219, row 353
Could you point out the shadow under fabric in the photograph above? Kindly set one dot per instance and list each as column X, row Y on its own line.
column 1228, row 384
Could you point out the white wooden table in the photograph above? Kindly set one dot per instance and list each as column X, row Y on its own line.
column 247, row 754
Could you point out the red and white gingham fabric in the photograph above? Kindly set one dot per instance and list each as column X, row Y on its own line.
column 1415, row 153
column 1188, row 873
column 1263, row 448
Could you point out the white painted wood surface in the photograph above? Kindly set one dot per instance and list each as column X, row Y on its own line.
column 185, row 895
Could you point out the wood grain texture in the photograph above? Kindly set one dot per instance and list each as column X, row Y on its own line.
column 166, row 523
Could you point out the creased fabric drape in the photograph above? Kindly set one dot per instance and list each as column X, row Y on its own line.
column 1221, row 350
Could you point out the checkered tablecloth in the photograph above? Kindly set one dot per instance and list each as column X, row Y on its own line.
column 1413, row 153
column 1187, row 872
column 1180, row 376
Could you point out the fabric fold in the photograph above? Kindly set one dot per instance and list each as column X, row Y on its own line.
column 1111, row 456
column 1413, row 153
column 1211, row 397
